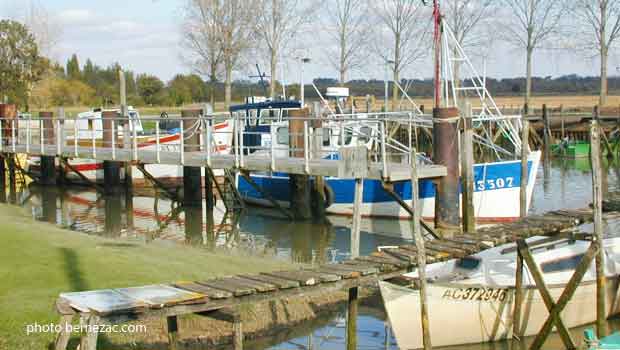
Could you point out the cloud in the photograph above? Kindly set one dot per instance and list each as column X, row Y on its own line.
column 75, row 16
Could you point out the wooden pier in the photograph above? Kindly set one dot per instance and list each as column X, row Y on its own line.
column 170, row 300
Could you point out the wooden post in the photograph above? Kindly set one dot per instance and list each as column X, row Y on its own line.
column 192, row 194
column 318, row 192
column 357, row 218
column 2, row 179
column 546, row 134
column 300, row 184
column 111, row 169
column 173, row 331
column 516, row 314
column 525, row 132
column 62, row 172
column 89, row 339
column 62, row 339
column 12, row 180
column 467, row 169
column 597, row 205
column 209, row 197
column 47, row 174
column 127, row 136
column 237, row 331
column 421, row 252
column 352, row 319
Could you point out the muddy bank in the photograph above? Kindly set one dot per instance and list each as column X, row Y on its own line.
column 263, row 323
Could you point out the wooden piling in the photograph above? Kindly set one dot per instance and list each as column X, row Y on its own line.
column 12, row 180
column 516, row 314
column 546, row 134
column 421, row 252
column 209, row 196
column 300, row 184
column 192, row 176
column 111, row 169
column 237, row 331
column 597, row 205
column 316, row 144
column 173, row 332
column 357, row 218
column 525, row 146
column 445, row 152
column 47, row 174
column 467, row 169
column 127, row 135
column 352, row 319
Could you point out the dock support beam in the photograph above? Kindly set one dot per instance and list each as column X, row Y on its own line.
column 300, row 184
column 467, row 169
column 597, row 205
column 111, row 169
column 173, row 331
column 237, row 331
column 525, row 146
column 192, row 184
column 2, row 178
column 445, row 152
column 352, row 319
column 47, row 163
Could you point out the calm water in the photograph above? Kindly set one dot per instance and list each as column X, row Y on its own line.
column 144, row 218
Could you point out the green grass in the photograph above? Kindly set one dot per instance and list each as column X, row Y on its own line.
column 38, row 261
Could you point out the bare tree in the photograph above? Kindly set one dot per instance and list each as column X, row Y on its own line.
column 601, row 19
column 407, row 29
column 349, row 28
column 201, row 41
column 279, row 22
column 532, row 24
column 234, row 24
column 464, row 17
column 41, row 23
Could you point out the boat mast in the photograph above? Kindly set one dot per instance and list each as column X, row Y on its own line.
column 437, row 43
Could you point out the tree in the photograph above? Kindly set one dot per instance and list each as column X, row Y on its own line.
column 407, row 31
column 601, row 22
column 201, row 39
column 20, row 62
column 532, row 24
column 348, row 26
column 278, row 23
column 73, row 68
column 150, row 88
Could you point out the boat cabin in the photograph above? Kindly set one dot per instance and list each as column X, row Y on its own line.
column 90, row 124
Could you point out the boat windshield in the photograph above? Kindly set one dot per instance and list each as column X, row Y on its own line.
column 468, row 263
column 568, row 263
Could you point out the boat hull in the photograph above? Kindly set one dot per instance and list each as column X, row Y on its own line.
column 496, row 196
column 468, row 314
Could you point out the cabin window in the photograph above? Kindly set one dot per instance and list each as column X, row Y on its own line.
column 90, row 124
column 468, row 263
column 364, row 134
column 563, row 264
column 348, row 136
column 283, row 136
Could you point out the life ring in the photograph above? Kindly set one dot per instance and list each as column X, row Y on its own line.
column 329, row 195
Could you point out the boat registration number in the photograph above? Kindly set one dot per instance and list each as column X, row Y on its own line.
column 476, row 293
column 493, row 184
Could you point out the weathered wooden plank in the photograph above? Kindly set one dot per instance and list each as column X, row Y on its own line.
column 261, row 287
column 229, row 285
column 303, row 277
column 281, row 283
column 323, row 277
column 435, row 254
column 344, row 274
column 161, row 295
column 402, row 263
column 212, row 293
column 363, row 269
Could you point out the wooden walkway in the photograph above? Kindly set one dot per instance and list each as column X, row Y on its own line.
column 292, row 165
column 115, row 306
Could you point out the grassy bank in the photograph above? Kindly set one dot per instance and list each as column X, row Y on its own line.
column 38, row 261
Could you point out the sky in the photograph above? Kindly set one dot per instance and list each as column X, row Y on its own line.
column 144, row 36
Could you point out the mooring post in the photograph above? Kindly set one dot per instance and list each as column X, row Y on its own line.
column 237, row 331
column 525, row 146
column 12, row 180
column 597, row 205
column 352, row 319
column 61, row 137
column 357, row 218
column 421, row 253
column 111, row 169
column 209, row 196
column 192, row 194
column 2, row 178
column 127, row 134
column 47, row 163
column 467, row 169
column 446, row 153
column 546, row 134
column 318, row 192
column 173, row 331
column 299, row 184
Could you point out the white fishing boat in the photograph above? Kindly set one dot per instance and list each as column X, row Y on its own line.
column 471, row 300
column 87, row 130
